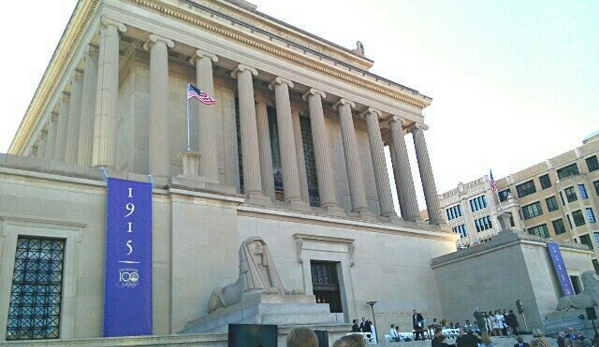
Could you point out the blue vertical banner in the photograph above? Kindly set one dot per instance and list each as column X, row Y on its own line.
column 128, row 278
column 560, row 268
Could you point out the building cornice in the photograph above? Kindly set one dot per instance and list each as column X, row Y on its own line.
column 70, row 40
column 233, row 24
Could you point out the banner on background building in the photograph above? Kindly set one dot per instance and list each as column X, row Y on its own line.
column 560, row 268
column 128, row 279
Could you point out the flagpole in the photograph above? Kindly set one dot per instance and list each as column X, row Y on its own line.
column 188, row 140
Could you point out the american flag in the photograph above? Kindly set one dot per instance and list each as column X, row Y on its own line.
column 493, row 184
column 194, row 92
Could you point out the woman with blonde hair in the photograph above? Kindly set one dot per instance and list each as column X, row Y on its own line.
column 538, row 340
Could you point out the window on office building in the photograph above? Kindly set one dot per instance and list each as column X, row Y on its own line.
column 551, row 203
column 590, row 215
column 532, row 210
column 596, row 265
column 503, row 195
column 596, row 236
column 578, row 218
column 570, row 194
column 586, row 240
column 583, row 191
column 596, row 184
column 592, row 163
column 558, row 226
column 478, row 203
column 545, row 181
column 460, row 229
column 526, row 188
column 483, row 223
column 453, row 212
column 568, row 171
column 539, row 230
column 35, row 297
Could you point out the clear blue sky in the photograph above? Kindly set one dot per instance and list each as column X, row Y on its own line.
column 513, row 82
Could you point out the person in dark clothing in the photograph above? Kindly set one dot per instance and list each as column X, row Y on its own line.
column 560, row 339
column 436, row 342
column 468, row 340
column 418, row 325
column 365, row 325
column 512, row 323
column 356, row 327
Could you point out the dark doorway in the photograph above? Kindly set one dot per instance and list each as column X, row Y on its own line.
column 325, row 284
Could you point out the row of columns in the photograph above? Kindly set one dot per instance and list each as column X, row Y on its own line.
column 102, row 70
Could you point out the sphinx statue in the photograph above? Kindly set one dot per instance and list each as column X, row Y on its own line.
column 257, row 274
column 587, row 298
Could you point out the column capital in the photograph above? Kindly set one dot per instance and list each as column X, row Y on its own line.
column 65, row 97
column 43, row 134
column 416, row 126
column 371, row 110
column 54, row 117
column 280, row 80
column 156, row 38
column 91, row 49
column 314, row 91
column 111, row 22
column 77, row 75
column 398, row 119
column 241, row 68
column 200, row 54
column 343, row 101
column 262, row 98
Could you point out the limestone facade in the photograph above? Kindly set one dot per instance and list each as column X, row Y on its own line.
column 556, row 199
column 114, row 97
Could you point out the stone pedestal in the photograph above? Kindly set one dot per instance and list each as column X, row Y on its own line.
column 276, row 309
column 561, row 321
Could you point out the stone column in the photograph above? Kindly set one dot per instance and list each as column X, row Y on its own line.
column 250, row 154
column 50, row 145
column 379, row 164
column 207, row 119
column 268, row 182
column 159, row 153
column 405, row 185
column 286, row 140
column 301, row 160
column 105, row 115
column 352, row 157
column 322, row 152
column 74, row 119
column 41, row 147
column 61, row 129
column 88, row 102
column 426, row 175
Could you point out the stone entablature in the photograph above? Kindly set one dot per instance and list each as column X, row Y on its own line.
column 86, row 16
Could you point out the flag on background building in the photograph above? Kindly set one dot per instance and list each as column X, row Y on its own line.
column 493, row 184
column 194, row 92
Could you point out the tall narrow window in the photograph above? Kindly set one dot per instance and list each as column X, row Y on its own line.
column 325, row 284
column 552, row 203
column 570, row 194
column 310, row 161
column 277, row 168
column 545, row 181
column 239, row 152
column 592, row 163
column 583, row 191
column 35, row 296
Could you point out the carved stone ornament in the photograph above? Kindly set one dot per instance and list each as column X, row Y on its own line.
column 257, row 274
column 587, row 298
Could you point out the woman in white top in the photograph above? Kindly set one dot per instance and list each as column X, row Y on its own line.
column 500, row 323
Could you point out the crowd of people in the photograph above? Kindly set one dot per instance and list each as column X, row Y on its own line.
column 494, row 323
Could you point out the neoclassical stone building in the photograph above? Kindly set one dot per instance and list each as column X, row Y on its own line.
column 292, row 152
